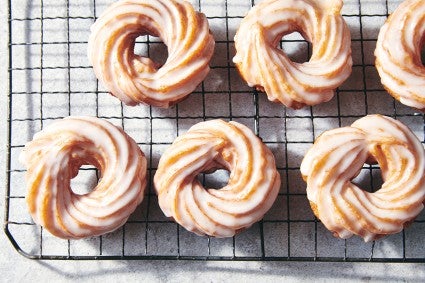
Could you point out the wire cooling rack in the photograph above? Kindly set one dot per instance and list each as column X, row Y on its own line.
column 50, row 78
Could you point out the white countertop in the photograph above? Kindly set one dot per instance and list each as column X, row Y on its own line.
column 14, row 267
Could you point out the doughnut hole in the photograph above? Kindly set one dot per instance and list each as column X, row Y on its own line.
column 369, row 178
column 85, row 181
column 214, row 180
column 295, row 46
column 151, row 47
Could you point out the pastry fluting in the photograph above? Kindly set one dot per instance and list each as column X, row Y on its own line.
column 398, row 54
column 54, row 157
column 337, row 157
column 264, row 66
column 252, row 188
column 135, row 79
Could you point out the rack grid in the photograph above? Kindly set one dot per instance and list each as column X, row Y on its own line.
column 50, row 78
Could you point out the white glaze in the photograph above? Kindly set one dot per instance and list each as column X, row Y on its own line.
column 252, row 188
column 338, row 155
column 134, row 79
column 398, row 54
column 54, row 156
column 266, row 67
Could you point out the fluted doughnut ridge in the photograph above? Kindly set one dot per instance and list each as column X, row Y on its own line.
column 54, row 157
column 264, row 66
column 135, row 79
column 252, row 188
column 338, row 155
column 398, row 54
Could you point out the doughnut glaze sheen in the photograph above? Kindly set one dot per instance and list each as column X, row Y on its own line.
column 136, row 79
column 264, row 66
column 398, row 54
column 337, row 157
column 54, row 157
column 251, row 190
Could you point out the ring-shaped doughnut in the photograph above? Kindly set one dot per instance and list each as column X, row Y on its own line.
column 398, row 54
column 135, row 79
column 264, row 66
column 251, row 190
column 54, row 157
column 337, row 157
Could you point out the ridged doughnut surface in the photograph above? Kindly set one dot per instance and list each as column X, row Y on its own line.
column 54, row 157
column 135, row 79
column 337, row 157
column 398, row 54
column 252, row 188
column 264, row 66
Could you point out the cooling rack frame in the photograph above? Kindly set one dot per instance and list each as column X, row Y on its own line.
column 256, row 116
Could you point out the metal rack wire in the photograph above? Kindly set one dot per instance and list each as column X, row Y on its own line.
column 49, row 78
